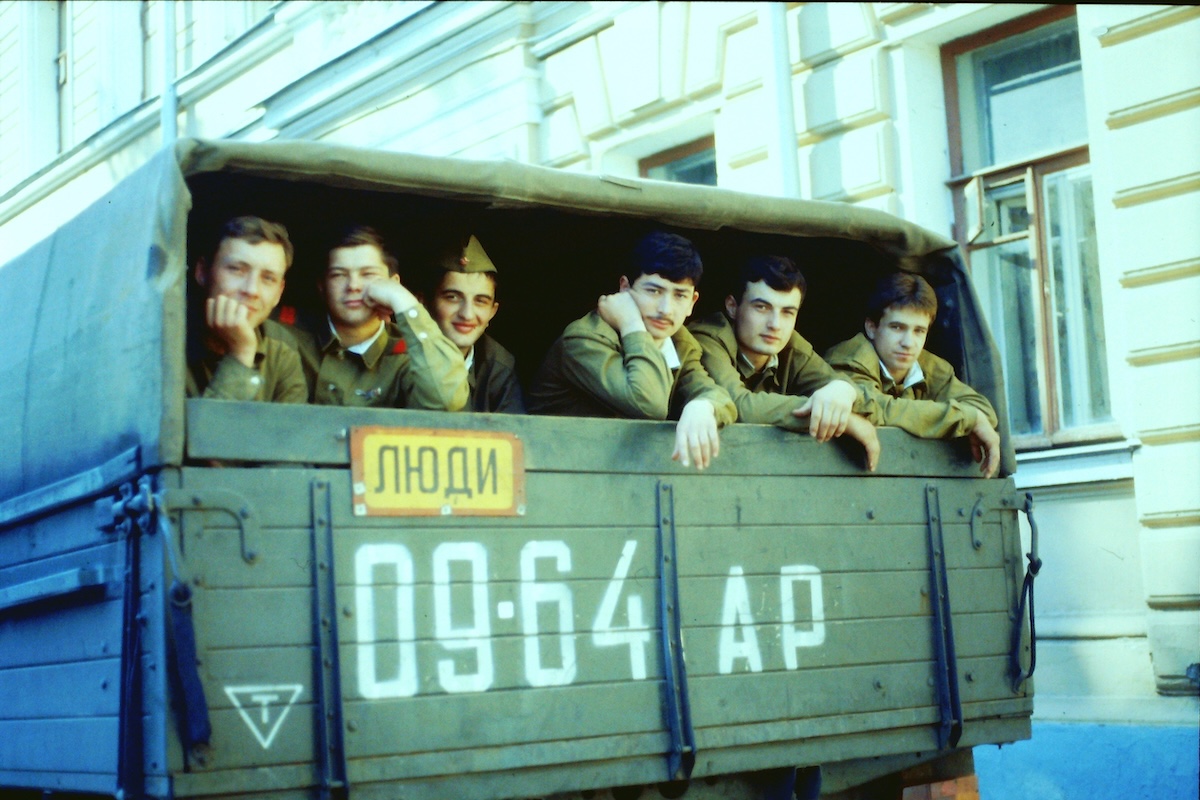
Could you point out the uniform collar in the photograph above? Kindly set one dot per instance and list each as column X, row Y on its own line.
column 667, row 348
column 915, row 374
column 747, row 369
column 363, row 346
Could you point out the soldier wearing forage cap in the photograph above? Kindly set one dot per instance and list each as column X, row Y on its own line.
column 360, row 357
column 462, row 303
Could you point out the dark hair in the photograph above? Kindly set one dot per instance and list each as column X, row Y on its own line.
column 666, row 254
column 778, row 272
column 361, row 235
column 253, row 230
column 901, row 290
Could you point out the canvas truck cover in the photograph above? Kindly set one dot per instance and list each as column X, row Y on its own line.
column 92, row 377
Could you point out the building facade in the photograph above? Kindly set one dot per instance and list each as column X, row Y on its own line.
column 1060, row 145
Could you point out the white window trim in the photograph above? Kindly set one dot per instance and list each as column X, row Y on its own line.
column 1063, row 466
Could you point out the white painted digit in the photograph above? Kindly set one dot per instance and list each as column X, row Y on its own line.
column 736, row 614
column 403, row 682
column 793, row 637
column 635, row 635
column 474, row 636
column 533, row 593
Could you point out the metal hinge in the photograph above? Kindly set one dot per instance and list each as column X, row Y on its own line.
column 132, row 507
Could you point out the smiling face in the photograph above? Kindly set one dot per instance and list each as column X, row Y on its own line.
column 763, row 321
column 251, row 273
column 463, row 305
column 899, row 337
column 664, row 304
column 350, row 270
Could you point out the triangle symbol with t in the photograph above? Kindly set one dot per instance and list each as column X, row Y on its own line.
column 264, row 708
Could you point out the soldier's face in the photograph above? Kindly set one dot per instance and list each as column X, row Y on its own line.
column 350, row 270
column 251, row 273
column 764, row 319
column 463, row 305
column 664, row 304
column 899, row 338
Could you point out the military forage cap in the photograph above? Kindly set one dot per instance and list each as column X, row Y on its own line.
column 471, row 258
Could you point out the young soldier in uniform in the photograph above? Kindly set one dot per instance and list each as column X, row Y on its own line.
column 752, row 350
column 632, row 357
column 359, row 357
column 230, row 357
column 914, row 389
column 463, row 303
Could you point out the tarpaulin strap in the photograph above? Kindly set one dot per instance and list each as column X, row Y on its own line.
column 1020, row 675
column 192, row 707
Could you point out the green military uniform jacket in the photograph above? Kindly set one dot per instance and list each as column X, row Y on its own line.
column 592, row 371
column 493, row 379
column 410, row 365
column 277, row 375
column 771, row 395
column 940, row 406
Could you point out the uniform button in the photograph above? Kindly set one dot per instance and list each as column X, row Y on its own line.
column 332, row 386
column 254, row 379
column 412, row 312
column 422, row 335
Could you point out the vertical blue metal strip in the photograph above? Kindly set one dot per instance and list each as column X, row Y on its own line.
column 677, row 707
column 950, row 728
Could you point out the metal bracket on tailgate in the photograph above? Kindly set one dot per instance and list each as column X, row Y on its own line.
column 232, row 503
column 950, row 728
column 677, row 708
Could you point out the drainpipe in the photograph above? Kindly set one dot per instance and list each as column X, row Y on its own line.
column 169, row 113
column 777, row 83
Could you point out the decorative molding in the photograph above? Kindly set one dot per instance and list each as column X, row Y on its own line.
column 1153, row 109
column 1158, row 190
column 1113, row 625
column 1150, row 23
column 102, row 146
column 876, row 110
column 871, row 34
column 362, row 79
column 1182, row 518
column 1173, row 602
column 1174, row 434
column 1178, row 351
column 576, row 32
column 891, row 13
column 1161, row 273
column 748, row 157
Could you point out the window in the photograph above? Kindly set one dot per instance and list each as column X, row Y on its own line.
column 97, row 80
column 1023, row 213
column 694, row 162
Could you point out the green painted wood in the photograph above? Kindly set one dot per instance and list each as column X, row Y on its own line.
column 868, row 538
column 264, row 432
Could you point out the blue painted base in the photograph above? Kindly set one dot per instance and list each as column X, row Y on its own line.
column 1093, row 762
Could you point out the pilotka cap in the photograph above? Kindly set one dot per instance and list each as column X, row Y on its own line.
column 471, row 258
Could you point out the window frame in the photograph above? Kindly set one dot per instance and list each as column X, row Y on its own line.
column 972, row 186
column 676, row 153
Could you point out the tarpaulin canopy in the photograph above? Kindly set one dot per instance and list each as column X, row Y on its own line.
column 95, row 315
